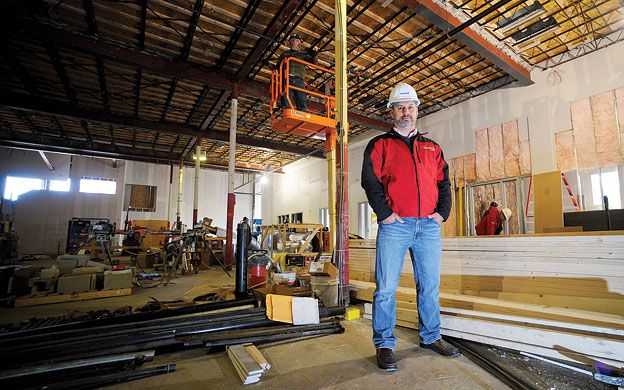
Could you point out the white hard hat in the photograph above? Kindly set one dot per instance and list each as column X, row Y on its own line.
column 506, row 212
column 403, row 92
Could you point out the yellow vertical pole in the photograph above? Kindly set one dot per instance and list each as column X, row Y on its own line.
column 459, row 201
column 342, row 130
column 330, row 145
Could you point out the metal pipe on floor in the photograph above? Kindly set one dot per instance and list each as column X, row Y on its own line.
column 113, row 330
column 137, row 317
column 103, row 380
column 74, row 364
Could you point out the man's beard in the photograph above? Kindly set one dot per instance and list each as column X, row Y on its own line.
column 400, row 123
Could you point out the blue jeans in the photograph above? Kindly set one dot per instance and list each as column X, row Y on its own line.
column 421, row 236
column 298, row 98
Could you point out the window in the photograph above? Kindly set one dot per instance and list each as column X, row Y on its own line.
column 606, row 183
column 140, row 198
column 59, row 185
column 16, row 186
column 98, row 185
column 296, row 218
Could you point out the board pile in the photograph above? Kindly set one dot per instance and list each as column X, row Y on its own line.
column 556, row 296
column 248, row 362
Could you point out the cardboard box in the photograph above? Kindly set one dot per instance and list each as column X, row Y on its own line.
column 318, row 268
column 293, row 310
column 114, row 280
column 75, row 284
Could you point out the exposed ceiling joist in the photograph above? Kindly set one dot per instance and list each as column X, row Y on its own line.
column 444, row 20
column 48, row 107
column 285, row 13
column 159, row 65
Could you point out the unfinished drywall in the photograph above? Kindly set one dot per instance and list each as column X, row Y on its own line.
column 541, row 110
column 42, row 216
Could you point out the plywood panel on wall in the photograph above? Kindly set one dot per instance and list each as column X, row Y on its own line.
column 619, row 103
column 605, row 129
column 566, row 159
column 482, row 156
column 511, row 201
column 547, row 199
column 458, row 169
column 584, row 139
column 511, row 148
column 525, row 157
column 470, row 167
column 495, row 144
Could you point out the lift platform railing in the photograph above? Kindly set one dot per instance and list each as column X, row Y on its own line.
column 281, row 87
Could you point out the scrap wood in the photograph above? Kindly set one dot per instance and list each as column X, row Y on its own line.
column 214, row 292
column 82, row 296
column 245, row 364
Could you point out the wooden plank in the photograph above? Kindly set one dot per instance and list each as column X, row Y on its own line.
column 470, row 167
column 586, row 345
column 364, row 291
column 497, row 157
column 257, row 355
column 566, row 355
column 482, row 155
column 566, row 156
column 584, row 139
column 548, row 204
column 511, row 148
column 525, row 157
column 605, row 129
column 83, row 296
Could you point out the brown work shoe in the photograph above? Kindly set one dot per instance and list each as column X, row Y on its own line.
column 385, row 359
column 442, row 347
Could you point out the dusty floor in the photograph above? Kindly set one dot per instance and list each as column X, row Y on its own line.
column 336, row 361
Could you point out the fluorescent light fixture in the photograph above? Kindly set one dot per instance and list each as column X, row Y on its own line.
column 202, row 157
column 535, row 30
column 520, row 16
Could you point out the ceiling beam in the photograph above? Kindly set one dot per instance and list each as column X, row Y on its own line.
column 62, row 75
column 445, row 21
column 181, row 69
column 17, row 67
column 188, row 40
column 240, row 26
column 283, row 16
column 120, row 52
column 49, row 107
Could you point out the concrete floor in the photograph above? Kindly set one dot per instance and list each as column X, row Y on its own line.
column 330, row 362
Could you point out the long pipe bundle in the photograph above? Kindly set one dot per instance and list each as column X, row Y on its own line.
column 171, row 332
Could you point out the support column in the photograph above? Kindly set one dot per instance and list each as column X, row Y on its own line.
column 179, row 206
column 196, row 186
column 342, row 131
column 229, row 255
column 169, row 196
column 330, row 146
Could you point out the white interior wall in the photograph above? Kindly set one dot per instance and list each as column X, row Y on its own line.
column 542, row 110
column 42, row 216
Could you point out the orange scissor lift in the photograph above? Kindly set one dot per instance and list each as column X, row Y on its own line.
column 292, row 121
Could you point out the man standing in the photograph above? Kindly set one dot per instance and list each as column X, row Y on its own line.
column 297, row 72
column 407, row 185
column 492, row 222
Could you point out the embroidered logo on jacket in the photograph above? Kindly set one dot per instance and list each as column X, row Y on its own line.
column 428, row 148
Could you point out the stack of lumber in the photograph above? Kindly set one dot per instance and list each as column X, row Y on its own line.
column 557, row 296
column 248, row 362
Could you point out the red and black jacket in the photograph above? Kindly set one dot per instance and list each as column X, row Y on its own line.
column 407, row 176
